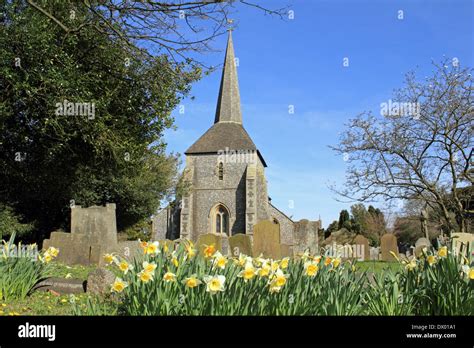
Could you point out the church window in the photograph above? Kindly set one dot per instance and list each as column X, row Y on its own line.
column 221, row 171
column 221, row 219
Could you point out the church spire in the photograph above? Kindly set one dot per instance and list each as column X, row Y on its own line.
column 228, row 103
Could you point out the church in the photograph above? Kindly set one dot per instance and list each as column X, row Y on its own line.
column 226, row 174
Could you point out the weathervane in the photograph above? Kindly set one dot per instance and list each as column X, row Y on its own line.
column 230, row 27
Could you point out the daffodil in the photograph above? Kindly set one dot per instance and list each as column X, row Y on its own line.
column 220, row 260
column 144, row 245
column 248, row 272
column 311, row 268
column 317, row 259
column 214, row 284
column 431, row 260
column 465, row 269
column 471, row 273
column 191, row 252
column 53, row 251
column 152, row 248
column 192, row 281
column 394, row 255
column 277, row 281
column 109, row 258
column 336, row 262
column 149, row 267
column 169, row 277
column 411, row 265
column 284, row 263
column 174, row 259
column 264, row 270
column 145, row 277
column 124, row 266
column 443, row 251
column 327, row 261
column 209, row 250
column 275, row 266
column 119, row 285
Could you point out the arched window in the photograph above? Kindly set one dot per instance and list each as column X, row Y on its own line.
column 221, row 171
column 220, row 219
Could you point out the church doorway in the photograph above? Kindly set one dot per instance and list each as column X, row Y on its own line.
column 220, row 219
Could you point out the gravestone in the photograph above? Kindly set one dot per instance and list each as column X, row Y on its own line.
column 266, row 240
column 240, row 244
column 93, row 233
column 421, row 244
column 286, row 250
column 362, row 246
column 462, row 242
column 100, row 281
column 207, row 240
column 388, row 243
column 305, row 236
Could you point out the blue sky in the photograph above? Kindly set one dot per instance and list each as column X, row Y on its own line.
column 299, row 62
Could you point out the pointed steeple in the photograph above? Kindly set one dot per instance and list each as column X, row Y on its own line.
column 228, row 103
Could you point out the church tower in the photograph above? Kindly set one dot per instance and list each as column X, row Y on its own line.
column 226, row 176
column 225, row 169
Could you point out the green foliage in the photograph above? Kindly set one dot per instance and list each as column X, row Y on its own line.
column 141, row 230
column 20, row 272
column 93, row 305
column 10, row 223
column 49, row 161
column 344, row 219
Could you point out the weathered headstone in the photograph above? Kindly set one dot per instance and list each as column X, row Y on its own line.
column 93, row 233
column 388, row 243
column 286, row 250
column 421, row 244
column 362, row 247
column 462, row 242
column 305, row 236
column 240, row 244
column 100, row 281
column 207, row 240
column 266, row 240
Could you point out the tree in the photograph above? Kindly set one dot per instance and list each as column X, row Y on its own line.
column 421, row 148
column 109, row 148
column 344, row 220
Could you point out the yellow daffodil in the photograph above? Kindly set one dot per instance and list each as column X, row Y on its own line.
column 191, row 252
column 275, row 266
column 264, row 270
column 431, row 260
column 145, row 276
column 192, row 281
column 144, row 245
column 53, row 251
column 284, row 263
column 169, row 277
column 471, row 273
column 165, row 247
column 317, row 259
column 394, row 255
column 209, row 250
column 153, row 248
column 220, row 260
column 124, row 266
column 278, row 281
column 411, row 265
column 336, row 262
column 327, row 261
column 248, row 272
column 443, row 251
column 47, row 258
column 174, row 259
column 305, row 256
column 109, row 258
column 119, row 285
column 311, row 268
column 149, row 267
column 214, row 284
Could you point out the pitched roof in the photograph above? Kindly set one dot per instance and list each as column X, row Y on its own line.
column 228, row 103
column 227, row 131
